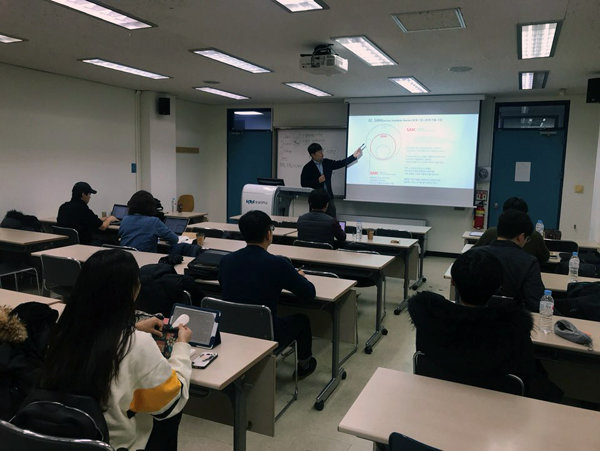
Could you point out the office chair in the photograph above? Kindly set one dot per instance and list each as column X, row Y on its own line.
column 400, row 442
column 13, row 268
column 552, row 234
column 561, row 246
column 60, row 274
column 393, row 233
column 71, row 233
column 254, row 321
column 315, row 244
column 507, row 383
column 185, row 202
column 15, row 438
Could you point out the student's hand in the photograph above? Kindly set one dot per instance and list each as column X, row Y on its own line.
column 321, row 179
column 184, row 334
column 111, row 219
column 302, row 273
column 151, row 325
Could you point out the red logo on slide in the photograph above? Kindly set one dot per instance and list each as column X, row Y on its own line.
column 373, row 173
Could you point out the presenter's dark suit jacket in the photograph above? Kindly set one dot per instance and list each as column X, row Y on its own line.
column 310, row 173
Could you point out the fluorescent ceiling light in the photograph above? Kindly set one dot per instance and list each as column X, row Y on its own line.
column 217, row 55
column 247, row 113
column 308, row 89
column 533, row 80
column 219, row 92
column 537, row 40
column 295, row 6
column 122, row 68
column 104, row 13
column 411, row 84
column 5, row 39
column 365, row 50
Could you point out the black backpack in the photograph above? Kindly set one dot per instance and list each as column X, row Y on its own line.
column 206, row 264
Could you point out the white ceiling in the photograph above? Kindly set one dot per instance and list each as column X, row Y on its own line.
column 262, row 32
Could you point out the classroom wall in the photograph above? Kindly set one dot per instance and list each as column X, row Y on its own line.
column 57, row 130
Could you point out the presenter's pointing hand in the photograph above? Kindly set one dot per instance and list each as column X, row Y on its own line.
column 321, row 179
column 358, row 152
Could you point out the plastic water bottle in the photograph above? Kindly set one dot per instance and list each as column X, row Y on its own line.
column 573, row 268
column 173, row 205
column 358, row 230
column 546, row 310
column 539, row 227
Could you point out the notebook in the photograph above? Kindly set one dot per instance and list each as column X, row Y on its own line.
column 176, row 225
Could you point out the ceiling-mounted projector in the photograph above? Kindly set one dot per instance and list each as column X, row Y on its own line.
column 323, row 61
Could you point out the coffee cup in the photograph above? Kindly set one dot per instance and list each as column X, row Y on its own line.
column 370, row 234
column 200, row 238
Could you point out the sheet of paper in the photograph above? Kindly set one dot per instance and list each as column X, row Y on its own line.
column 523, row 171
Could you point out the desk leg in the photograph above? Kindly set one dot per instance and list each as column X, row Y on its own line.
column 402, row 304
column 421, row 278
column 379, row 329
column 235, row 392
column 337, row 371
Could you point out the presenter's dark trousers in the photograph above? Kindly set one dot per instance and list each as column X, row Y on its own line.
column 295, row 327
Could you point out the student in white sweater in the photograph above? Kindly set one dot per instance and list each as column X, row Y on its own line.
column 97, row 351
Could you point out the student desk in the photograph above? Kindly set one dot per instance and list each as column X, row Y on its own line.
column 14, row 298
column 349, row 265
column 452, row 416
column 194, row 216
column 234, row 228
column 558, row 282
column 245, row 373
column 274, row 218
column 583, row 244
column 471, row 236
column 24, row 241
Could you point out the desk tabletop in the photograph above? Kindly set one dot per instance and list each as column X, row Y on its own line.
column 419, row 230
column 237, row 354
column 14, row 298
column 402, row 243
column 453, row 416
column 227, row 227
column 273, row 218
column 26, row 238
column 472, row 235
column 82, row 252
column 309, row 254
column 559, row 282
column 554, row 341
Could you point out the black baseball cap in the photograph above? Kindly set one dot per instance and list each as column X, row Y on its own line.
column 82, row 188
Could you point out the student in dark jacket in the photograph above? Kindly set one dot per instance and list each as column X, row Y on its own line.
column 317, row 225
column 479, row 335
column 317, row 172
column 254, row 276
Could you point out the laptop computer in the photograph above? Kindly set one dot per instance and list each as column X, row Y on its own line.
column 119, row 211
column 342, row 225
column 177, row 225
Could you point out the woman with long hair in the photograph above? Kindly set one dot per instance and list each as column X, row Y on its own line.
column 98, row 350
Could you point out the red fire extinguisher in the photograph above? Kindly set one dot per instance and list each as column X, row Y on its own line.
column 479, row 216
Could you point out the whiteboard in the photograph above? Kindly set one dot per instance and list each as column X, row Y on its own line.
column 292, row 153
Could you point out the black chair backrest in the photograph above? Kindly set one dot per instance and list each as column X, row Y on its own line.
column 507, row 383
column 393, row 233
column 562, row 246
column 60, row 271
column 315, row 244
column 552, row 234
column 242, row 319
column 288, row 224
column 71, row 233
column 213, row 233
column 15, row 438
column 400, row 442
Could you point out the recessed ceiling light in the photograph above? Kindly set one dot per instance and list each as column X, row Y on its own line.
column 5, row 39
column 122, row 68
column 537, row 40
column 439, row 19
column 411, row 84
column 365, row 50
column 247, row 113
column 217, row 55
column 308, row 89
column 533, row 80
column 296, row 6
column 460, row 68
column 219, row 92
column 101, row 12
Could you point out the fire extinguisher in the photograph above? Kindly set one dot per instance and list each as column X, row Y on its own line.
column 479, row 216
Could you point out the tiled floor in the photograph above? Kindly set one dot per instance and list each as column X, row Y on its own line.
column 302, row 428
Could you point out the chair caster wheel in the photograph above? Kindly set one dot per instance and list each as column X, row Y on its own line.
column 397, row 311
column 384, row 331
column 344, row 375
column 319, row 405
column 368, row 349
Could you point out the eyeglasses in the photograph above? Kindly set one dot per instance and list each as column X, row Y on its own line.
column 272, row 228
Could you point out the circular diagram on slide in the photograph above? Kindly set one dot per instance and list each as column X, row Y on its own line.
column 383, row 142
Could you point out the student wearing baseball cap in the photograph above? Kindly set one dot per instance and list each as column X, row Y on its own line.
column 77, row 215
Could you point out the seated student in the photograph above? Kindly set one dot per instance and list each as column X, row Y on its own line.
column 479, row 336
column 76, row 214
column 535, row 246
column 254, row 276
column 96, row 351
column 521, row 271
column 317, row 225
column 141, row 228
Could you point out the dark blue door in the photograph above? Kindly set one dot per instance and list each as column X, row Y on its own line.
column 544, row 152
column 249, row 155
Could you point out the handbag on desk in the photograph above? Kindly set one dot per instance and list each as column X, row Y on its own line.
column 206, row 265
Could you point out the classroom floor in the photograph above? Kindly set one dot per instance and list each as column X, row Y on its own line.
column 302, row 428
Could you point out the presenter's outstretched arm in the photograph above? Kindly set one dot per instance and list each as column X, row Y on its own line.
column 358, row 152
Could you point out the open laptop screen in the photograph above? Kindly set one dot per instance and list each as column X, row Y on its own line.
column 119, row 211
column 343, row 225
column 176, row 225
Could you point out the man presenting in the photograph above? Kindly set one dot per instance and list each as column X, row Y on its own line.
column 77, row 215
column 317, row 172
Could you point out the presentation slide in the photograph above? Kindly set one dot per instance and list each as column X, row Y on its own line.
column 424, row 158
